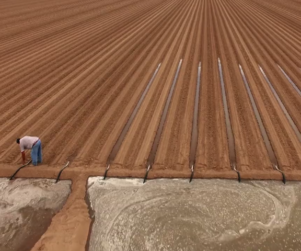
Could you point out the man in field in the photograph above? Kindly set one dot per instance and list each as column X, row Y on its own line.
column 33, row 143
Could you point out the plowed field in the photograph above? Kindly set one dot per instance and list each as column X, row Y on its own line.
column 73, row 73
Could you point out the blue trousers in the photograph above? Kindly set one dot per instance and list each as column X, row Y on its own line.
column 36, row 153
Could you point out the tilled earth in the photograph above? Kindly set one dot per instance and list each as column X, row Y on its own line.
column 168, row 85
column 72, row 73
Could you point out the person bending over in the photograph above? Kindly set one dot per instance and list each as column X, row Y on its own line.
column 33, row 143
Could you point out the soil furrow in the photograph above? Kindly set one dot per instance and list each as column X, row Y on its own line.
column 277, row 126
column 29, row 98
column 250, row 150
column 57, row 122
column 146, row 119
column 93, row 131
column 212, row 130
column 176, row 132
column 73, row 73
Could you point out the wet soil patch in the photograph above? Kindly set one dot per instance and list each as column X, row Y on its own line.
column 24, row 236
column 92, row 217
column 27, row 207
column 203, row 215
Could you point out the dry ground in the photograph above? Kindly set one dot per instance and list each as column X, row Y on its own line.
column 73, row 72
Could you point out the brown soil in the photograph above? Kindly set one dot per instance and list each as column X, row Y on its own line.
column 73, row 72
column 74, row 79
column 35, row 223
column 69, row 228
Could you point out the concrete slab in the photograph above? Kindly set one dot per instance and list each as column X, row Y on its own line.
column 26, row 209
column 204, row 215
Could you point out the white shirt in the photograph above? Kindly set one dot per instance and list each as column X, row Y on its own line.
column 26, row 142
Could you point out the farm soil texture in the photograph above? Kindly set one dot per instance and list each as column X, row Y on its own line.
column 170, row 85
column 72, row 73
